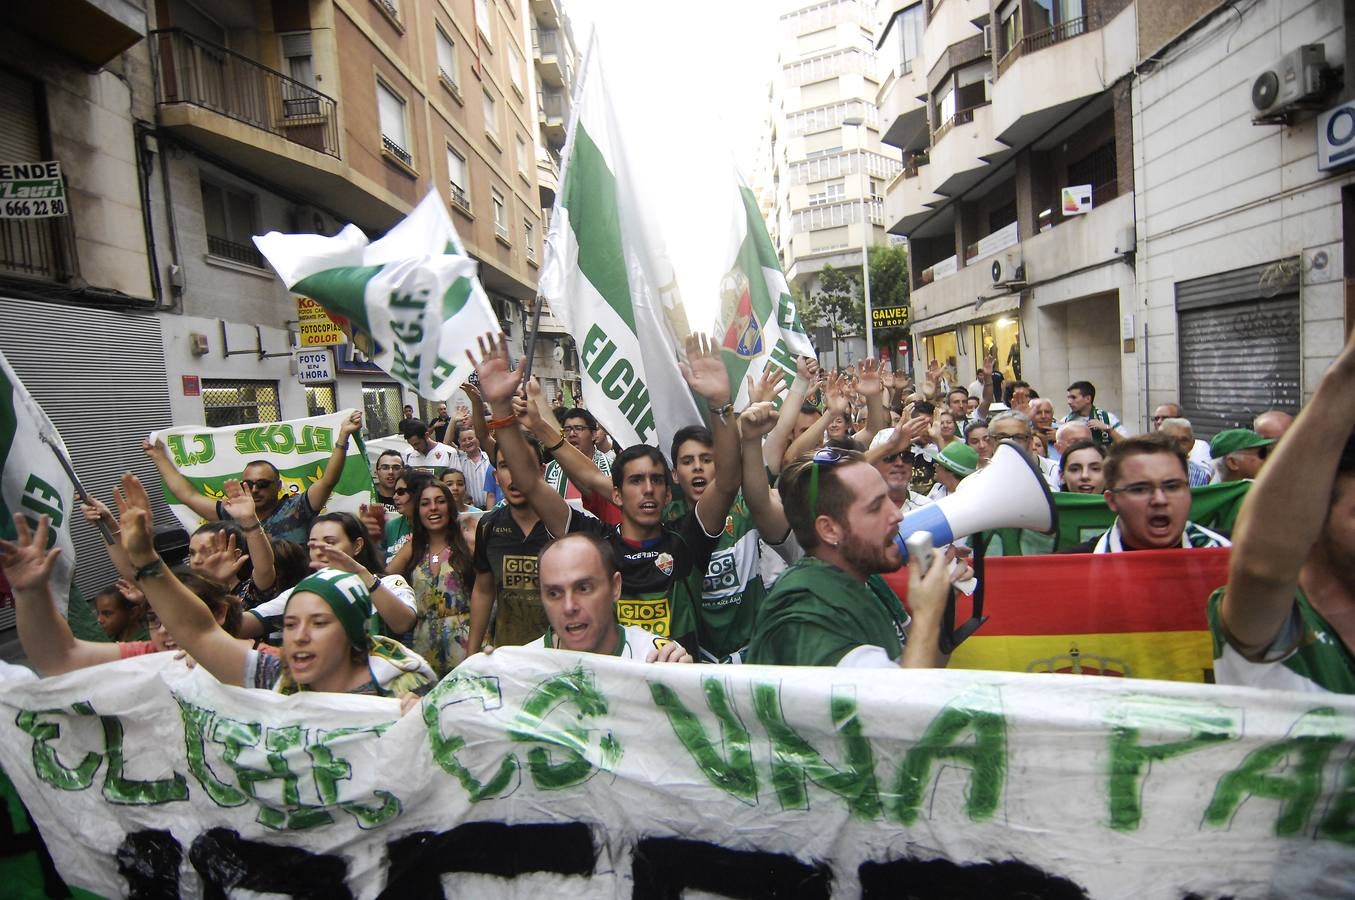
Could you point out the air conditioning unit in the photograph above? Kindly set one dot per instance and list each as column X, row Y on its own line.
column 1294, row 79
column 1008, row 271
column 509, row 313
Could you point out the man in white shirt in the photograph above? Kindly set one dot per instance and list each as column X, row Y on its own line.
column 1199, row 450
column 474, row 463
column 426, row 453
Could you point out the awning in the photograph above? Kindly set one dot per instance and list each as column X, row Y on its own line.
column 974, row 312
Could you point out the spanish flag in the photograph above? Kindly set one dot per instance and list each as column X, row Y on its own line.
column 1124, row 615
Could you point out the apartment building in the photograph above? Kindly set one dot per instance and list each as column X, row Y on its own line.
column 828, row 167
column 1016, row 193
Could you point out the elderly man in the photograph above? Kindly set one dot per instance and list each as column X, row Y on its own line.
column 1272, row 423
column 953, row 464
column 891, row 454
column 832, row 608
column 1071, row 433
column 1148, row 489
column 1016, row 427
column 1183, row 433
column 1286, row 618
column 1239, row 453
column 1199, row 450
column 1042, row 418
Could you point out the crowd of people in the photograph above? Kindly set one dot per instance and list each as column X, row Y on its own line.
column 760, row 537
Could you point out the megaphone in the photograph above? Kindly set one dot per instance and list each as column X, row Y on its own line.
column 1010, row 493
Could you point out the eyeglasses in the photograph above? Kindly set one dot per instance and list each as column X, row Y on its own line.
column 1142, row 490
column 575, row 429
column 828, row 456
column 390, row 468
column 905, row 455
column 261, row 484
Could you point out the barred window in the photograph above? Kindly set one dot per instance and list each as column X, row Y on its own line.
column 381, row 411
column 320, row 399
column 239, row 402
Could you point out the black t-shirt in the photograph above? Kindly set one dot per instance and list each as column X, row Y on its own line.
column 661, row 579
column 502, row 550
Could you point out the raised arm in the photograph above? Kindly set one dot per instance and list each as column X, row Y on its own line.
column 318, row 493
column 180, row 487
column 580, row 469
column 477, row 420
column 499, row 381
column 836, row 403
column 709, row 379
column 239, row 504
column 97, row 511
column 394, row 612
column 1294, row 488
column 183, row 614
column 765, row 508
column 900, row 440
column 774, row 448
column 43, row 632
column 986, row 376
column 871, row 385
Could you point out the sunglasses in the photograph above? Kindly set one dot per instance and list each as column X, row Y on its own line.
column 905, row 455
column 828, row 456
column 261, row 484
column 401, row 491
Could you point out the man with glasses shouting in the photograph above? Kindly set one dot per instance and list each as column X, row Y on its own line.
column 284, row 518
column 832, row 608
column 1148, row 489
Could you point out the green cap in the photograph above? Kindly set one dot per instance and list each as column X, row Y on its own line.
column 1235, row 439
column 959, row 458
column 346, row 595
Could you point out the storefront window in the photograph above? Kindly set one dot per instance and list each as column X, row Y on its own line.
column 1001, row 339
column 320, row 399
column 944, row 348
column 381, row 409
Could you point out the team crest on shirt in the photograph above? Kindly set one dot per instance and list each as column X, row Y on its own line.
column 729, row 525
column 665, row 563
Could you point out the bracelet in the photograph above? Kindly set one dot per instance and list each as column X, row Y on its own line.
column 723, row 411
column 557, row 445
column 504, row 422
column 150, row 569
column 376, row 583
column 255, row 527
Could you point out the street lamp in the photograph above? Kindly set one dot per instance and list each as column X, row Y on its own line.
column 865, row 234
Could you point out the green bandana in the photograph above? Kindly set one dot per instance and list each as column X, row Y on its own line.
column 346, row 595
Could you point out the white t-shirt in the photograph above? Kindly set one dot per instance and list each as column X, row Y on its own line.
column 635, row 644
column 439, row 458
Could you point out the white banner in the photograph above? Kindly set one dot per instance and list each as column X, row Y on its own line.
column 299, row 448
column 531, row 773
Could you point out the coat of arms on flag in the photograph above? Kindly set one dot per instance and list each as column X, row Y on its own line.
column 743, row 335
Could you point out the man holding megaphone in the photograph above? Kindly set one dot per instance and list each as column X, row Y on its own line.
column 832, row 608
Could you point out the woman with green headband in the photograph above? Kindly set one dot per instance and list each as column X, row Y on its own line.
column 325, row 641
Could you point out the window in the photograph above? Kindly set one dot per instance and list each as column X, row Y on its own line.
column 239, row 402
column 394, row 137
column 910, row 27
column 482, row 18
column 456, row 174
column 522, row 154
column 830, row 192
column 491, row 117
column 1009, row 26
column 39, row 248
column 529, row 238
column 1097, row 169
column 231, row 220
column 320, row 399
column 500, row 215
column 515, row 68
column 381, row 412
column 446, row 58
column 296, row 54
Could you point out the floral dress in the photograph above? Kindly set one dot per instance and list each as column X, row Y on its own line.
column 443, row 626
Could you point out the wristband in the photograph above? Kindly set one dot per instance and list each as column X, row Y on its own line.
column 557, row 445
column 255, row 527
column 376, row 583
column 150, row 569
column 496, row 424
column 723, row 411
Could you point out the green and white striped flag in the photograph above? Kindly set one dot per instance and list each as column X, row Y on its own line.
column 414, row 291
column 758, row 324
column 607, row 277
column 35, row 482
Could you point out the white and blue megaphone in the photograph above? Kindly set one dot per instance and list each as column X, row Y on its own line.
column 1010, row 493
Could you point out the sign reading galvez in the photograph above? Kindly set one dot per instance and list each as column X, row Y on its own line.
column 536, row 771
column 32, row 190
column 889, row 316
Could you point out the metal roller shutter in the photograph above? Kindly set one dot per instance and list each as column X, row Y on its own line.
column 100, row 376
column 1239, row 346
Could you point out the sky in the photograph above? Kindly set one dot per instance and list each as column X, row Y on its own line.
column 691, row 78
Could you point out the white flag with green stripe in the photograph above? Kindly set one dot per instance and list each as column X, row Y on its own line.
column 606, row 275
column 34, row 482
column 414, row 291
column 758, row 323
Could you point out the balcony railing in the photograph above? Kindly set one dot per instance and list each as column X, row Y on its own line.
column 961, row 117
column 191, row 70
column 546, row 41
column 1039, row 40
column 394, row 149
column 37, row 248
column 241, row 253
column 552, row 104
column 459, row 197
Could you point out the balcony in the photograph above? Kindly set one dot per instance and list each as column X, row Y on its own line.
column 911, row 198
column 553, row 114
column 963, row 149
column 552, row 63
column 903, row 108
column 1050, row 73
column 547, row 180
column 950, row 23
column 94, row 32
column 547, row 12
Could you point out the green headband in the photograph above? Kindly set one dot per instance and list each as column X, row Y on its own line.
column 346, row 595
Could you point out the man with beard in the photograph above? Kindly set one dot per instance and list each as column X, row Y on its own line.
column 832, row 608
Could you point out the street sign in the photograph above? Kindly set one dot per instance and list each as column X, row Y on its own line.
column 903, row 348
column 889, row 316
column 314, row 365
column 317, row 327
column 32, row 190
column 1336, row 137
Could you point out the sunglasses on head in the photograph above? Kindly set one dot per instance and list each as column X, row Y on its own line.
column 828, row 456
column 262, row 484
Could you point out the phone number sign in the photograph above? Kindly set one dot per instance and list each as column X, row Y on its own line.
column 32, row 190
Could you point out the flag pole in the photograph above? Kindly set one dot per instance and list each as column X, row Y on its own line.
column 530, row 346
column 60, row 454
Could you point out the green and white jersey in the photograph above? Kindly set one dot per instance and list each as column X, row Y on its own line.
column 633, row 642
column 1307, row 655
column 732, row 589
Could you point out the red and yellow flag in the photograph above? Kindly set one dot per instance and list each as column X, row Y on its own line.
column 1127, row 615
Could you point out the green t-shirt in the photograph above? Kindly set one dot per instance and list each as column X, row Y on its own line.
column 732, row 589
column 816, row 614
column 397, row 533
column 1307, row 654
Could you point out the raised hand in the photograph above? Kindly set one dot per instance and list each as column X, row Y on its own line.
column 499, row 378
column 328, row 556
column 989, row 363
column 835, row 393
column 914, row 428
column 134, row 519
column 239, row 503
column 757, row 420
column 222, row 560
column 351, row 425
column 870, row 380
column 769, row 384
column 96, row 511
column 806, row 368
column 26, row 560
column 131, row 590
column 705, row 371
column 462, row 410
